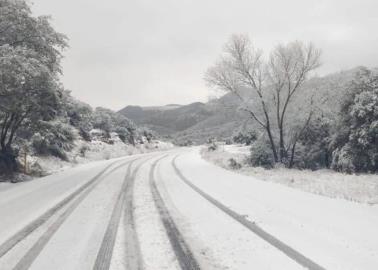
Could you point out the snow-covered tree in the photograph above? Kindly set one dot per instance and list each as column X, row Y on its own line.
column 267, row 88
column 103, row 119
column 355, row 143
column 110, row 121
column 80, row 115
column 54, row 138
column 313, row 150
column 126, row 129
column 29, row 66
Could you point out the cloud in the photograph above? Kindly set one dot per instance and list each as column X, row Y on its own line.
column 152, row 52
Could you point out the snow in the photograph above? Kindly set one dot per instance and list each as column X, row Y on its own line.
column 361, row 188
column 97, row 150
column 337, row 234
column 77, row 241
column 236, row 149
column 154, row 244
column 334, row 233
column 85, row 227
column 30, row 199
column 217, row 241
column 10, row 259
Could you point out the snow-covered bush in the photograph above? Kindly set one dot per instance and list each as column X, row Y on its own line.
column 233, row 164
column 212, row 144
column 123, row 134
column 246, row 138
column 261, row 155
column 148, row 134
column 54, row 138
column 312, row 151
column 80, row 116
column 212, row 147
column 83, row 150
column 355, row 144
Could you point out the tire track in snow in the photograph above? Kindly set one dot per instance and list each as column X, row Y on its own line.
column 104, row 255
column 27, row 260
column 124, row 200
column 287, row 250
column 134, row 259
column 181, row 249
column 31, row 227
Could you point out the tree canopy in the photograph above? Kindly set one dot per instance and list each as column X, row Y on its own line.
column 30, row 54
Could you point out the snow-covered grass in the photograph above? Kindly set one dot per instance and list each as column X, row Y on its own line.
column 96, row 150
column 361, row 188
column 83, row 152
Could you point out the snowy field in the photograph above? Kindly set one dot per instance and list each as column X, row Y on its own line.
column 361, row 188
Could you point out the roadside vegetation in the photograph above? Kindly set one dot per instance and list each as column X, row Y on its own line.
column 361, row 188
column 38, row 116
column 296, row 125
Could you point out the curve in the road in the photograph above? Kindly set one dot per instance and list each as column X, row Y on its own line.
column 289, row 251
column 181, row 249
column 26, row 261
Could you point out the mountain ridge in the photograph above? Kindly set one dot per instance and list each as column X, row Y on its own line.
column 222, row 117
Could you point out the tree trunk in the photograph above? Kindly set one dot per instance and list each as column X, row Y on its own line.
column 283, row 153
column 8, row 163
column 272, row 144
column 291, row 163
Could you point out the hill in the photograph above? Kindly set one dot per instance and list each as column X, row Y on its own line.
column 170, row 119
column 222, row 117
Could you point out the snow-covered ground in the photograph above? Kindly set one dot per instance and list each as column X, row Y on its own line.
column 84, row 152
column 217, row 241
column 99, row 150
column 336, row 234
column 358, row 188
column 155, row 247
column 332, row 233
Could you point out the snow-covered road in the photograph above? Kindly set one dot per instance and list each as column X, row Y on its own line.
column 173, row 210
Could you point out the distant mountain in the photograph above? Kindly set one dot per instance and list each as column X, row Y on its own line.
column 169, row 119
column 222, row 117
column 163, row 108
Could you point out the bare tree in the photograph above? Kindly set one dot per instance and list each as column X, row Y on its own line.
column 274, row 83
column 288, row 68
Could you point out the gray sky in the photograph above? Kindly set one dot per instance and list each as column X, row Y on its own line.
column 155, row 52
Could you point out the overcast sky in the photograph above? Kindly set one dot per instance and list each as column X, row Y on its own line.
column 155, row 52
